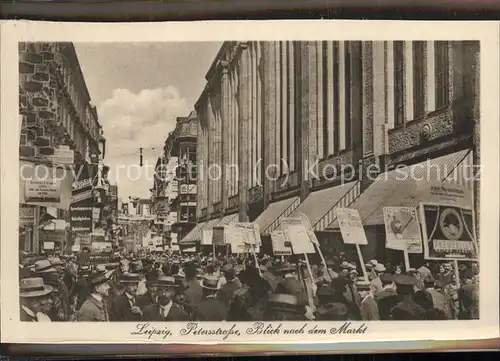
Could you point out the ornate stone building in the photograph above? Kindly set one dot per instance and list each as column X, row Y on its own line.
column 299, row 126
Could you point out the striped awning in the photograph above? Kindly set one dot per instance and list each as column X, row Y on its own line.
column 227, row 220
column 405, row 186
column 194, row 234
column 320, row 206
column 270, row 219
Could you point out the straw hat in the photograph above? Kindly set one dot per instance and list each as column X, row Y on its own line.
column 131, row 278
column 44, row 266
column 210, row 283
column 33, row 287
column 283, row 302
column 362, row 285
column 379, row 267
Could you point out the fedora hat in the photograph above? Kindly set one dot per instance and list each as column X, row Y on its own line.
column 44, row 266
column 166, row 282
column 210, row 283
column 131, row 278
column 98, row 278
column 345, row 265
column 282, row 301
column 286, row 267
column 33, row 287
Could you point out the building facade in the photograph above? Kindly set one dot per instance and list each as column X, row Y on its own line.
column 297, row 126
column 59, row 126
column 181, row 145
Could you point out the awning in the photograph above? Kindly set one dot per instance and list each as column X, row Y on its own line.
column 191, row 236
column 270, row 219
column 408, row 186
column 227, row 220
column 320, row 206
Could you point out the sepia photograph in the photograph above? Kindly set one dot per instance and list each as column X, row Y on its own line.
column 331, row 182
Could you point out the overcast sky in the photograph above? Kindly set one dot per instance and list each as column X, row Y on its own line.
column 139, row 89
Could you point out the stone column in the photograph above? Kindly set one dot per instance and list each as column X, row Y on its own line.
column 211, row 152
column 225, row 134
column 269, row 94
column 308, row 120
column 244, row 115
column 369, row 96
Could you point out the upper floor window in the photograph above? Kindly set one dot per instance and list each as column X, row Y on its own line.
column 442, row 73
column 399, row 91
column 418, row 79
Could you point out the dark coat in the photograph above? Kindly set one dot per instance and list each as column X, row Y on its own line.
column 121, row 310
column 386, row 300
column 194, row 293
column 226, row 293
column 144, row 301
column 25, row 317
column 369, row 309
column 210, row 309
column 293, row 286
column 176, row 314
column 408, row 310
column 93, row 311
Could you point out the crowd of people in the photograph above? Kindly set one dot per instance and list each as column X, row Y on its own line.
column 180, row 287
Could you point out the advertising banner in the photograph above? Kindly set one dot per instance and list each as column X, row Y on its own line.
column 44, row 185
column 52, row 236
column 244, row 237
column 26, row 216
column 351, row 226
column 81, row 211
column 445, row 193
column 448, row 232
column 402, row 229
column 296, row 235
column 280, row 245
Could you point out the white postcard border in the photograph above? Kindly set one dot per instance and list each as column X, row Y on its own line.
column 12, row 330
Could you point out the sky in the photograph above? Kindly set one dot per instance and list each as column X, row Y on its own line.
column 139, row 89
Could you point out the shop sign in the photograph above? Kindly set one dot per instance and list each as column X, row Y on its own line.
column 26, row 216
column 402, row 229
column 52, row 236
column 84, row 183
column 81, row 219
column 351, row 226
column 81, row 196
column 448, row 232
column 48, row 245
column 62, row 156
column 43, row 191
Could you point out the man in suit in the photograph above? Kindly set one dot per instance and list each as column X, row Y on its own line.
column 291, row 285
column 406, row 309
column 124, row 307
column 368, row 307
column 439, row 300
column 387, row 298
column 211, row 308
column 226, row 292
column 35, row 300
column 164, row 308
column 95, row 309
column 193, row 291
column 151, row 293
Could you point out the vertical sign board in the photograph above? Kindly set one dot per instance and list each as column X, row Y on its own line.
column 402, row 229
column 280, row 246
column 81, row 200
column 244, row 237
column 448, row 232
column 296, row 235
column 351, row 226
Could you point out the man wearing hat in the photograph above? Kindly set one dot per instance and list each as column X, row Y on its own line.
column 284, row 307
column 351, row 292
column 439, row 300
column 211, row 308
column 291, row 285
column 368, row 307
column 149, row 297
column 35, row 300
column 376, row 283
column 60, row 295
column 164, row 308
column 406, row 309
column 332, row 304
column 95, row 308
column 232, row 284
column 193, row 291
column 388, row 297
column 124, row 307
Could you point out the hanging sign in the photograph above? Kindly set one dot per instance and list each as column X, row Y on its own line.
column 351, row 226
column 206, row 237
column 280, row 245
column 448, row 232
column 402, row 229
column 43, row 191
column 26, row 216
column 296, row 235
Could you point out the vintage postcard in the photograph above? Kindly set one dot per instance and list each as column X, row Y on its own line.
column 235, row 182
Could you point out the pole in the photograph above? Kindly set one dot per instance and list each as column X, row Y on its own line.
column 360, row 257
column 324, row 263
column 407, row 260
column 457, row 273
column 253, row 252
